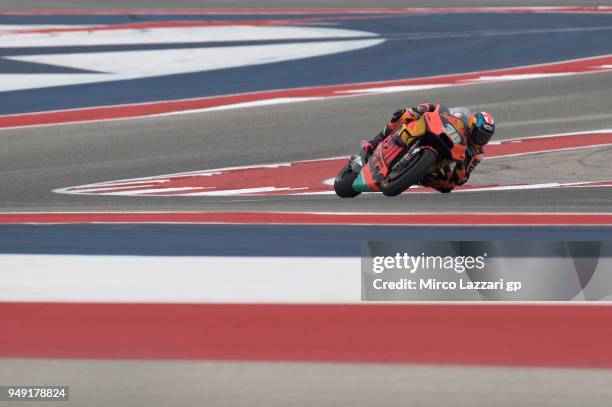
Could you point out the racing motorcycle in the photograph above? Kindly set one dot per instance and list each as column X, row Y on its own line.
column 392, row 168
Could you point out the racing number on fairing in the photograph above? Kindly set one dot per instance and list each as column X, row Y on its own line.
column 452, row 133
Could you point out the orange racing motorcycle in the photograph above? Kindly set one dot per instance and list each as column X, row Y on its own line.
column 432, row 143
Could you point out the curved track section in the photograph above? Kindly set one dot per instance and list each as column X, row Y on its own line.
column 36, row 161
column 551, row 76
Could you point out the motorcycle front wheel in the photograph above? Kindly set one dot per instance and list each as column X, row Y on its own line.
column 409, row 172
column 343, row 184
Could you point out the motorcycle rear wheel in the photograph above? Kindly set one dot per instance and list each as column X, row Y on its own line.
column 410, row 173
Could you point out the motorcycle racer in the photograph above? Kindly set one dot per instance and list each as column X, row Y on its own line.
column 478, row 129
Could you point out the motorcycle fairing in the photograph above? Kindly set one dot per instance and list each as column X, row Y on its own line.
column 452, row 129
column 377, row 168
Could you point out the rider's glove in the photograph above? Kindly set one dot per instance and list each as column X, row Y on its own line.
column 368, row 148
column 472, row 161
column 424, row 108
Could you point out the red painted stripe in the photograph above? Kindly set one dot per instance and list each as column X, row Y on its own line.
column 571, row 336
column 588, row 65
column 480, row 219
column 382, row 10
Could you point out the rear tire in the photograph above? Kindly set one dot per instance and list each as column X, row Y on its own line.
column 343, row 184
column 411, row 173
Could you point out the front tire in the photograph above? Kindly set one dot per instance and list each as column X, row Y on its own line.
column 343, row 184
column 409, row 173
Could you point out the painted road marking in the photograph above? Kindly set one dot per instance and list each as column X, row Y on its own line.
column 7, row 29
column 512, row 335
column 572, row 67
column 316, row 176
column 315, row 218
column 157, row 32
column 323, row 11
column 125, row 65
column 178, row 279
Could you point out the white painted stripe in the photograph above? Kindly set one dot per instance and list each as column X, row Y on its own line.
column 518, row 77
column 82, row 278
column 143, row 191
column 255, row 103
column 144, row 279
column 115, row 187
column 226, row 192
column 171, row 35
column 392, row 89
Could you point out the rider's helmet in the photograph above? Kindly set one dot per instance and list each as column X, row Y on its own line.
column 481, row 128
